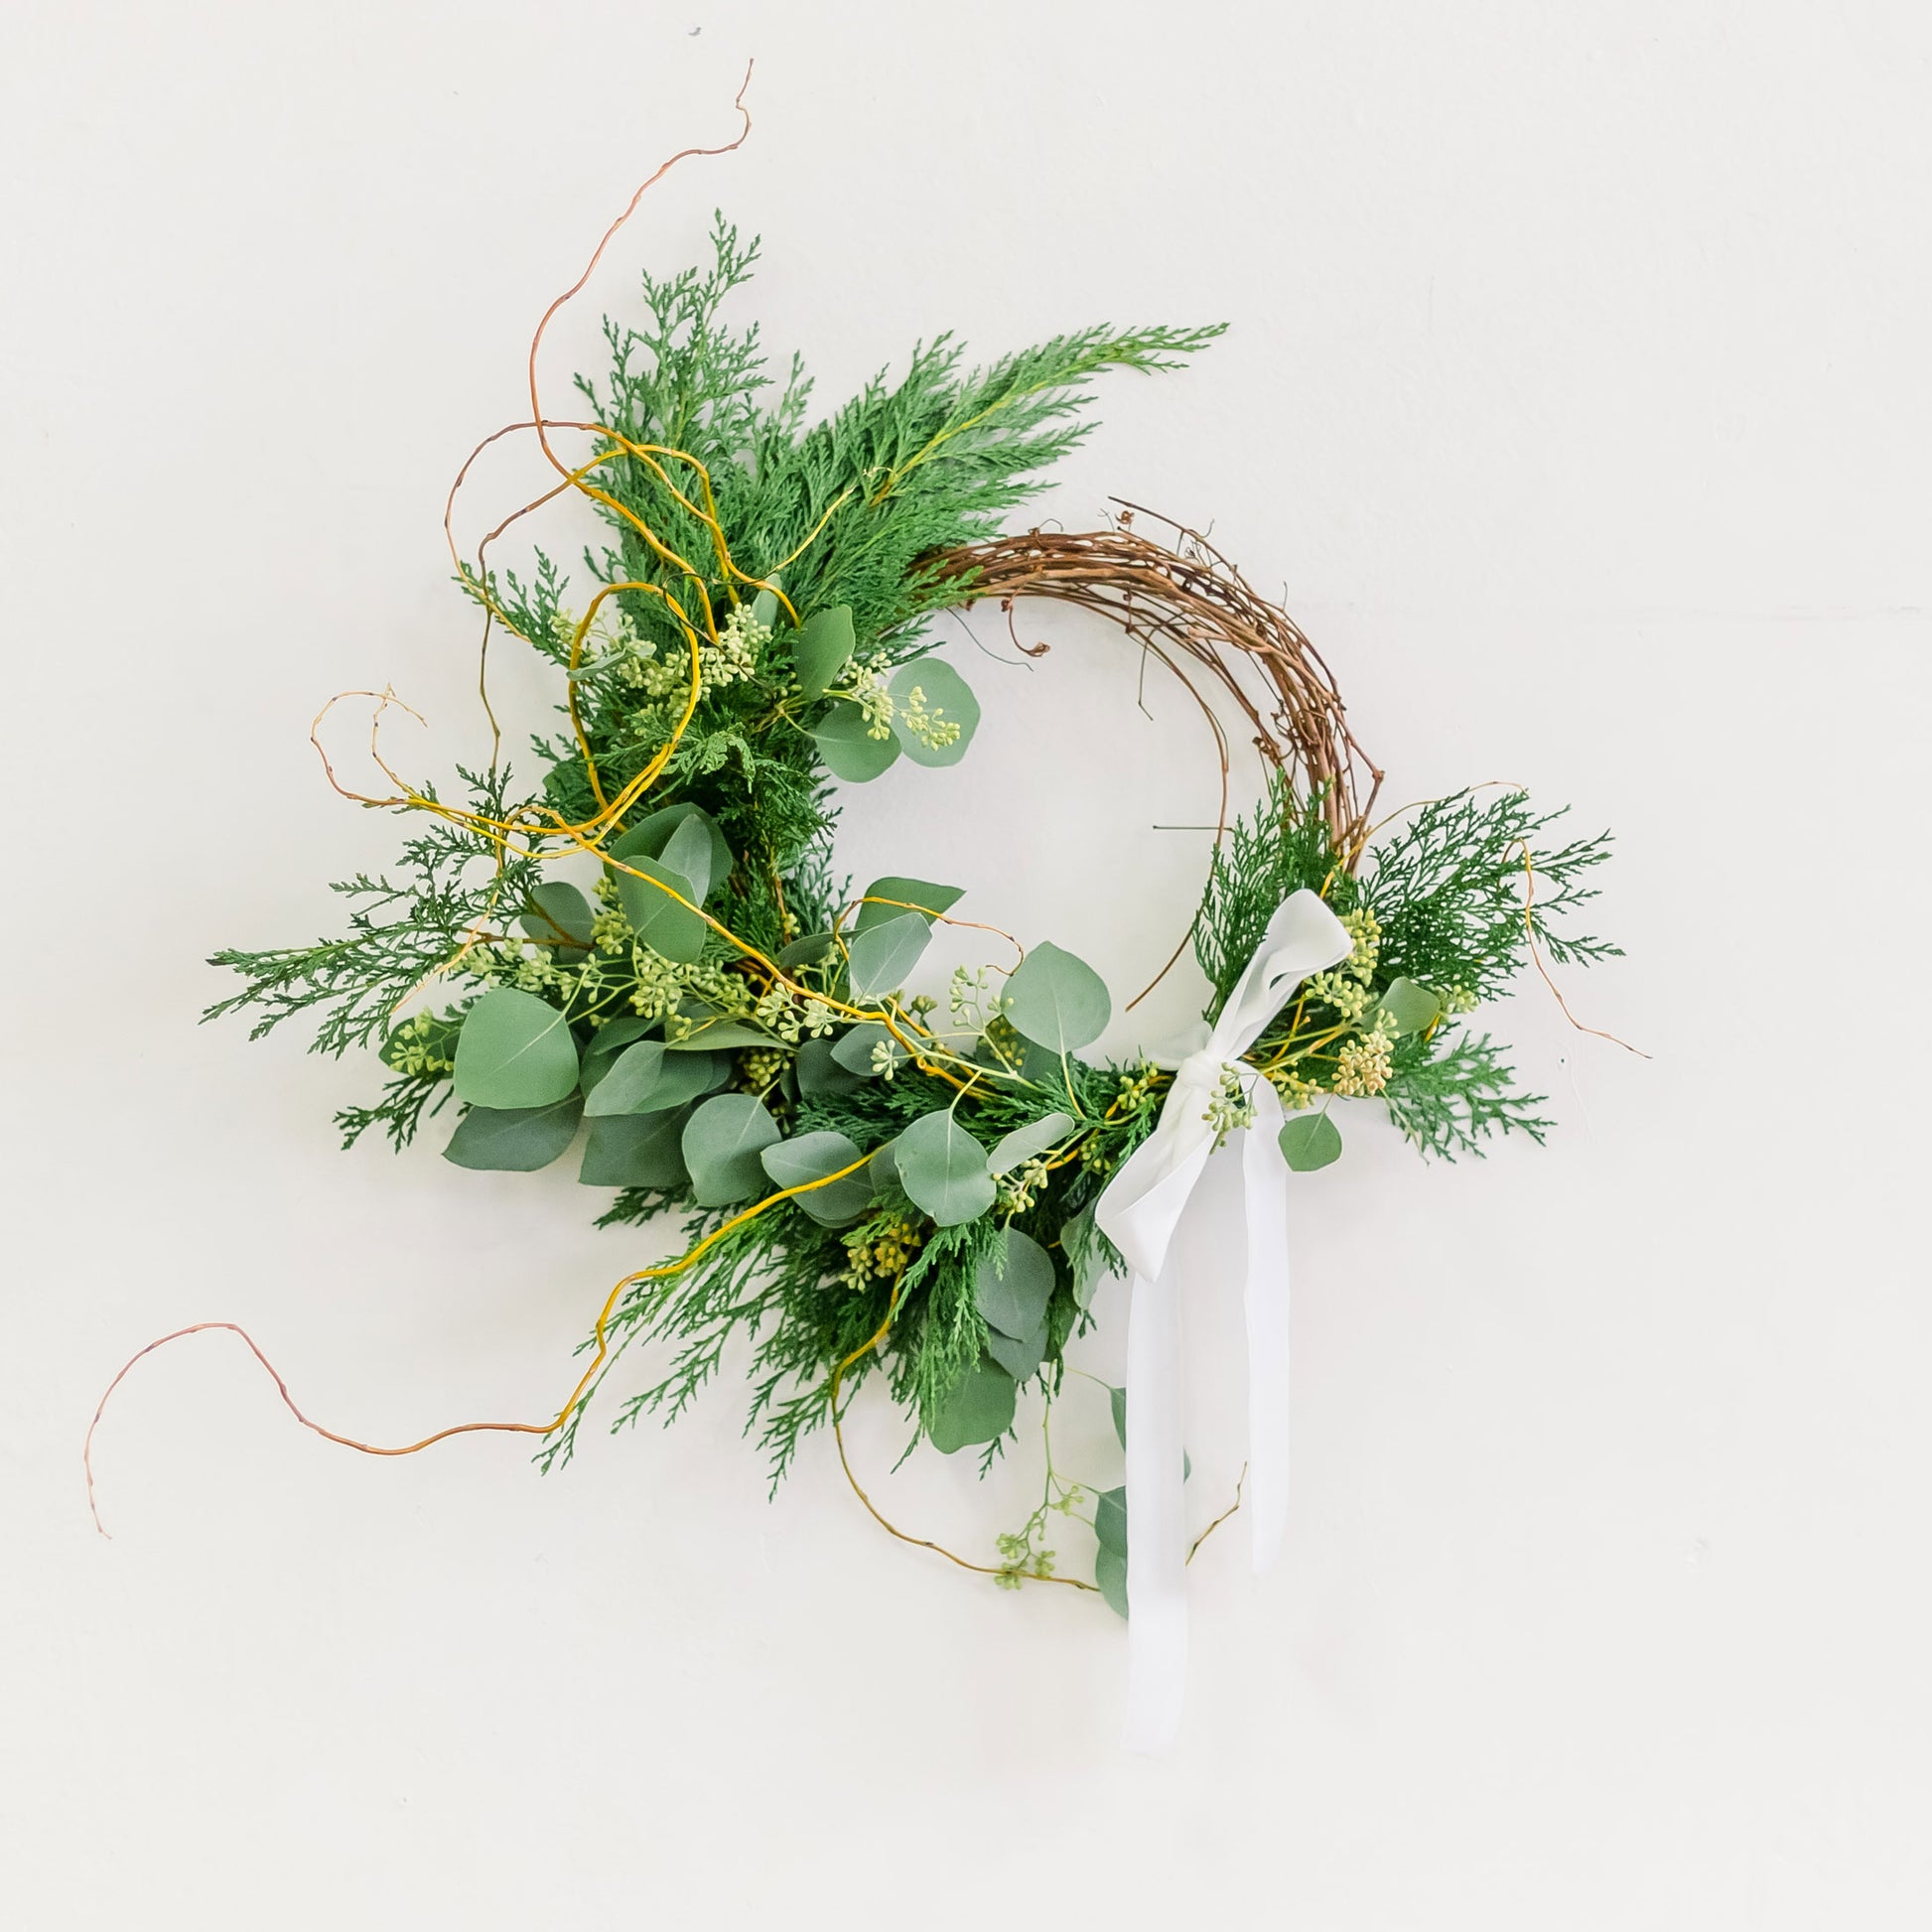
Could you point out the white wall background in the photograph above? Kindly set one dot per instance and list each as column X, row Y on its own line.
column 1578, row 397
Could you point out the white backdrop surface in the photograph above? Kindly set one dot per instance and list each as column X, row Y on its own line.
column 1577, row 396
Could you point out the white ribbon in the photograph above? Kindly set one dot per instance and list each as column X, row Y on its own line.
column 1139, row 1212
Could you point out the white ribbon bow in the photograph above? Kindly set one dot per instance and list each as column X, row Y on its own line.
column 1139, row 1212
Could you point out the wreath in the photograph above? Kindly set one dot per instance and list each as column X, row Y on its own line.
column 882, row 1186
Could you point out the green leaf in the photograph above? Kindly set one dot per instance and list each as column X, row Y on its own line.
column 943, row 1170
column 1110, row 1572
column 644, row 1079
column 819, row 1070
column 882, row 955
column 722, row 1143
column 1309, row 1141
column 607, row 1043
column 765, row 607
column 845, row 743
column 949, row 700
column 662, row 924
column 889, row 898
column 688, row 851
column 821, row 647
column 1057, row 1000
column 714, row 1031
column 1110, row 1521
column 560, row 915
column 651, row 835
column 811, row 1156
column 627, row 1084
column 514, row 1139
column 634, row 1151
column 515, row 1052
column 1413, row 1008
column 1021, row 1357
column 808, row 951
column 1024, row 1143
column 1083, row 1255
column 1014, row 1284
column 853, row 1049
column 1117, row 1402
column 978, row 1407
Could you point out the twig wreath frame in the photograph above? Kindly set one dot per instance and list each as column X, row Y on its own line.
column 872, row 1190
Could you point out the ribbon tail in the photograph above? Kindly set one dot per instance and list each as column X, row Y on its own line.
column 1264, row 1174
column 1157, row 1573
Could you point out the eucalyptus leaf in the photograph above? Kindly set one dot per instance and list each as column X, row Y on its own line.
column 651, row 834
column 1024, row 1143
column 1014, row 1282
column 820, row 1072
column 1117, row 1402
column 845, row 743
column 808, row 951
column 688, row 851
column 607, row 1043
column 646, row 1079
column 765, row 606
column 1413, row 1008
column 664, row 924
column 943, row 1170
column 630, row 1080
column 880, row 957
column 722, row 1143
column 560, row 916
column 1110, row 1520
column 1110, row 1572
column 889, row 898
column 515, row 1052
column 634, row 1151
column 1057, row 1000
column 948, row 700
column 1309, row 1141
column 978, row 1407
column 1085, row 1256
column 514, row 1139
column 1019, row 1357
column 807, row 1158
column 720, row 1035
column 821, row 647
column 853, row 1051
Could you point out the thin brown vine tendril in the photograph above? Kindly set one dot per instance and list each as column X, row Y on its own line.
column 661, row 1271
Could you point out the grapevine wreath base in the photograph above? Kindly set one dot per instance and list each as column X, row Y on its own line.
column 919, row 1189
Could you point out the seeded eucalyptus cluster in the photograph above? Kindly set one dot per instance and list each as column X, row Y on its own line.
column 695, row 1010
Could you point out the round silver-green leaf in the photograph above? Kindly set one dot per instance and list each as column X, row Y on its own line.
column 821, row 647
column 722, row 1143
column 559, row 915
column 1309, row 1141
column 978, row 1407
column 1057, row 1000
column 888, row 898
column 806, row 1158
column 943, row 1170
column 880, row 957
column 1014, row 1282
column 515, row 1052
column 947, row 700
column 662, row 904
column 514, row 1139
column 1413, row 1008
column 845, row 743
column 1024, row 1143
column 634, row 1151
